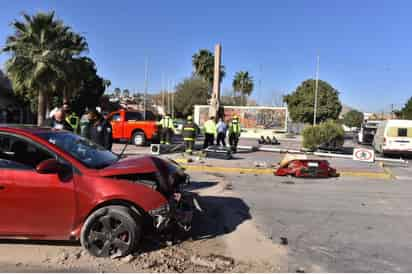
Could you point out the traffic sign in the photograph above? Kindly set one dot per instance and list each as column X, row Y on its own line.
column 364, row 155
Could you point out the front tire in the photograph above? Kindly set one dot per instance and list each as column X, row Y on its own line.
column 111, row 231
column 138, row 139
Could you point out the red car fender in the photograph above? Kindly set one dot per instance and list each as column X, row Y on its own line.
column 283, row 171
column 92, row 192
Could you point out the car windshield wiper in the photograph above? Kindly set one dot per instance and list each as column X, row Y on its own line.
column 123, row 150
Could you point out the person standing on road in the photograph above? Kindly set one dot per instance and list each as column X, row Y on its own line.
column 85, row 125
column 210, row 132
column 167, row 129
column 58, row 121
column 100, row 130
column 71, row 117
column 189, row 134
column 234, row 133
column 221, row 132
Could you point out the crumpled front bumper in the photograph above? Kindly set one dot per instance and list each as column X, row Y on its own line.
column 178, row 211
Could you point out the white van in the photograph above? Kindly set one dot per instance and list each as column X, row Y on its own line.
column 367, row 132
column 394, row 137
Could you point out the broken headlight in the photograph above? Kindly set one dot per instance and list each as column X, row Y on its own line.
column 160, row 216
column 162, row 210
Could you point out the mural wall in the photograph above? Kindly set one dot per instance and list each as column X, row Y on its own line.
column 268, row 118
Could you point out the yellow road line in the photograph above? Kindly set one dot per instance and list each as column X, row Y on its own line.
column 372, row 175
column 229, row 169
column 389, row 172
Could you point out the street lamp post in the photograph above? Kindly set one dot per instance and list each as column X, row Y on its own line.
column 316, row 91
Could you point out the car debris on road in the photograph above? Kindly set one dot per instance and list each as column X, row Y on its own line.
column 303, row 167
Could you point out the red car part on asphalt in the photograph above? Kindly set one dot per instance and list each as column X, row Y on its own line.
column 57, row 185
column 307, row 168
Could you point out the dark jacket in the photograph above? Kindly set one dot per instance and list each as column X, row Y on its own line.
column 51, row 122
column 101, row 133
column 189, row 131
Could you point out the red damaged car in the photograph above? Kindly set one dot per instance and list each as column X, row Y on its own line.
column 307, row 168
column 56, row 185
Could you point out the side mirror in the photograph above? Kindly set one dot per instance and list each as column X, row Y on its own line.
column 49, row 166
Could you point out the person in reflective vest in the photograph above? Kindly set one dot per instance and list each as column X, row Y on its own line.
column 189, row 134
column 234, row 133
column 58, row 121
column 71, row 118
column 166, row 130
column 210, row 132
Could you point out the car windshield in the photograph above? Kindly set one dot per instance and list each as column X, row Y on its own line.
column 85, row 151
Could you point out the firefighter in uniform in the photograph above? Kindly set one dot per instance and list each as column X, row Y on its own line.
column 74, row 122
column 189, row 134
column 167, row 129
column 210, row 132
column 100, row 130
column 234, row 133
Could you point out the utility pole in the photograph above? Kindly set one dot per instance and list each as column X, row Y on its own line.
column 316, row 91
column 167, row 96
column 260, row 85
column 173, row 100
column 145, row 87
column 215, row 100
column 162, row 93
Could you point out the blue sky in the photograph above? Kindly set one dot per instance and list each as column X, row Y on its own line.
column 365, row 47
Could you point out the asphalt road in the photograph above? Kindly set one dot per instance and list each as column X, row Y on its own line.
column 334, row 225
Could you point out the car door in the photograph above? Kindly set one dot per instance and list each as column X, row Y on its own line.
column 117, row 126
column 34, row 204
column 132, row 121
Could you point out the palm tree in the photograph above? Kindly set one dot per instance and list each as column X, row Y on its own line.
column 126, row 93
column 117, row 92
column 243, row 84
column 203, row 63
column 42, row 53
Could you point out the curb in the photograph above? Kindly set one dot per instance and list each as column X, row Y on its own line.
column 386, row 175
column 213, row 190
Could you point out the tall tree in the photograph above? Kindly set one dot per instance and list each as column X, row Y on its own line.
column 117, row 92
column 203, row 63
column 353, row 118
column 91, row 88
column 406, row 111
column 191, row 91
column 243, row 84
column 301, row 102
column 41, row 50
column 126, row 93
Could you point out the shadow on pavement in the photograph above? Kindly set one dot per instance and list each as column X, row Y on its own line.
column 39, row 242
column 221, row 215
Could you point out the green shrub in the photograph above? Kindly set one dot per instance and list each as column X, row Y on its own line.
column 332, row 134
column 328, row 133
column 311, row 137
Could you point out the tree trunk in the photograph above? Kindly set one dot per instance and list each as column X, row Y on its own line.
column 65, row 95
column 40, row 108
column 47, row 104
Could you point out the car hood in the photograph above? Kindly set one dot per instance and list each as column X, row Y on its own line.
column 131, row 165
